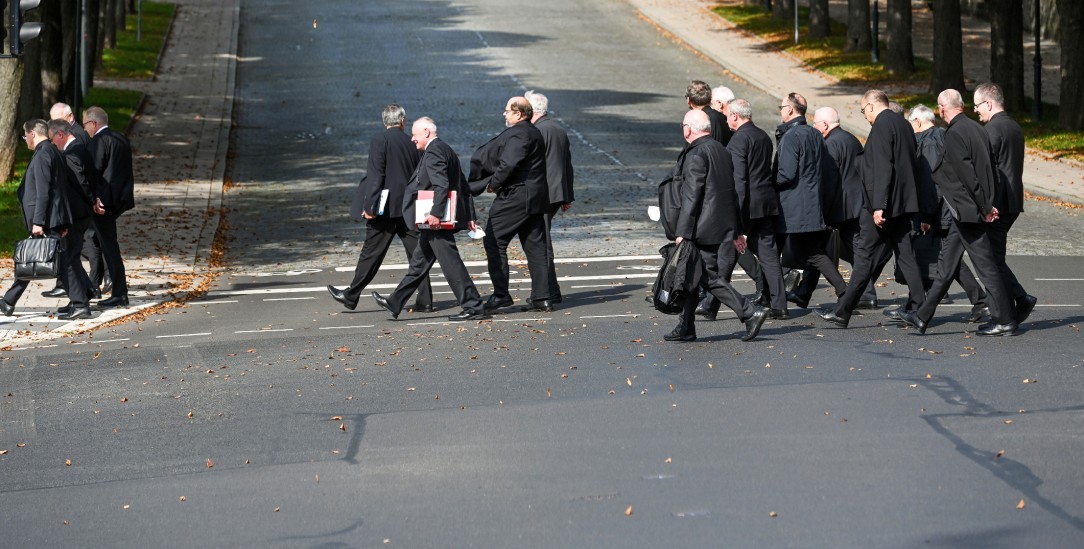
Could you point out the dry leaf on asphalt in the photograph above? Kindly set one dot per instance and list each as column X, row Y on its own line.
column 999, row 454
column 182, row 498
column 124, row 399
column 628, row 511
column 336, row 418
column 210, row 463
column 1020, row 505
column 68, row 462
column 773, row 514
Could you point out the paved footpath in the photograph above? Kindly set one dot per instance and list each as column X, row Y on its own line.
column 180, row 142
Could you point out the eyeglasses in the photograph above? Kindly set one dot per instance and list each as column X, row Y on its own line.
column 864, row 105
column 781, row 107
column 981, row 103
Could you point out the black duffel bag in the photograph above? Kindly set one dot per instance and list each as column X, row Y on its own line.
column 37, row 258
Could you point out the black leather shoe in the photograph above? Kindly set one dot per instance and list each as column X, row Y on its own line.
column 795, row 299
column 94, row 293
column 5, row 308
column 65, row 309
column 107, row 286
column 753, row 324
column 75, row 314
column 707, row 312
column 55, row 292
column 792, row 279
column 541, row 306
column 383, row 302
column 115, row 301
column 978, row 314
column 998, row 330
column 339, row 296
column 832, row 317
column 776, row 314
column 910, row 318
column 557, row 299
column 423, row 308
column 678, row 334
column 867, row 304
column 1024, row 306
column 494, row 303
column 467, row 314
column 893, row 315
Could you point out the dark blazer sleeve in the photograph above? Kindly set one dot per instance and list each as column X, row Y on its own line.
column 960, row 157
column 739, row 149
column 367, row 194
column 514, row 150
column 436, row 169
column 695, row 174
column 36, row 197
column 877, row 158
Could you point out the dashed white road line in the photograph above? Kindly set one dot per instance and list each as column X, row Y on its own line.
column 269, row 330
column 611, row 316
column 183, row 335
column 288, row 298
column 346, row 327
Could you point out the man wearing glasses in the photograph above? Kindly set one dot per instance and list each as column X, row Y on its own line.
column 81, row 182
column 115, row 195
column 888, row 175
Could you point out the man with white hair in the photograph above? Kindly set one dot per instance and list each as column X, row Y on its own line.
column 558, row 175
column 1007, row 150
column 721, row 98
column 968, row 185
column 62, row 111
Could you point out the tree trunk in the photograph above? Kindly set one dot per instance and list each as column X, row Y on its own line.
column 899, row 57
column 11, row 82
column 108, row 36
column 783, row 9
column 1071, row 31
column 948, row 58
column 119, row 12
column 30, row 106
column 1007, row 50
column 858, row 32
column 52, row 54
column 94, row 36
column 69, row 70
column 819, row 22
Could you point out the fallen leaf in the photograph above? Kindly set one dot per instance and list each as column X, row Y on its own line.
column 96, row 355
column 768, row 365
column 210, row 463
column 182, row 498
column 548, row 392
column 668, row 460
column 612, row 392
column 1020, row 505
column 248, row 461
column 671, row 387
column 914, row 385
column 336, row 418
column 343, row 349
column 641, row 355
column 628, row 380
column 124, row 399
column 773, row 514
column 318, row 478
column 68, row 462
column 1031, row 381
column 628, row 511
column 191, row 415
column 342, row 427
column 277, row 509
column 710, row 365
column 2, row 452
column 999, row 454
column 1008, row 422
column 126, row 506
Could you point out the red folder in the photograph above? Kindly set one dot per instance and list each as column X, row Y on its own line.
column 424, row 205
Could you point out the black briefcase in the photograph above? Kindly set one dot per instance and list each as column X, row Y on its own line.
column 37, row 258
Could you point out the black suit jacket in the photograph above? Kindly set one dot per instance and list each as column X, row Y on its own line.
column 888, row 166
column 392, row 161
column 41, row 192
column 844, row 149
column 800, row 160
column 720, row 130
column 439, row 171
column 82, row 179
column 113, row 161
column 751, row 152
column 514, row 158
column 709, row 205
column 1007, row 151
column 967, row 179
column 81, row 135
column 930, row 154
column 558, row 160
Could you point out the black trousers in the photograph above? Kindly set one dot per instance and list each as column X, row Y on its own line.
column 974, row 238
column 999, row 241
column 437, row 246
column 105, row 226
column 849, row 232
column 751, row 265
column 92, row 250
column 77, row 292
column 379, row 233
column 812, row 246
column 895, row 235
column 760, row 235
column 718, row 262
column 531, row 230
column 555, row 289
column 73, row 276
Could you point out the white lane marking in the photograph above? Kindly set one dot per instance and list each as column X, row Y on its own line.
column 968, row 305
column 521, row 319
column 614, row 285
column 288, row 298
column 184, row 335
column 270, row 291
column 608, row 259
column 113, row 340
column 345, row 327
column 33, row 347
column 262, row 331
column 610, row 316
column 1061, row 279
column 216, row 302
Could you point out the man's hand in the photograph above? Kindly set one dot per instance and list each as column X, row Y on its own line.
column 925, row 227
column 992, row 216
column 566, row 206
column 99, row 208
column 678, row 240
column 368, row 215
column 37, row 230
column 63, row 233
column 740, row 244
column 433, row 222
column 879, row 218
column 473, row 225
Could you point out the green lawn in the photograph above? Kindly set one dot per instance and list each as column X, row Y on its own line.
column 134, row 59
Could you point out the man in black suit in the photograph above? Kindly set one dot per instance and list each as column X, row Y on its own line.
column 969, row 186
column 843, row 199
column 81, row 182
column 379, row 200
column 1007, row 150
column 439, row 171
column 44, row 203
column 115, row 195
column 888, row 174
column 558, row 175
column 710, row 219
column 750, row 149
column 698, row 96
column 800, row 159
column 512, row 166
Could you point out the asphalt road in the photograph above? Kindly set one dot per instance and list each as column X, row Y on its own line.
column 262, row 414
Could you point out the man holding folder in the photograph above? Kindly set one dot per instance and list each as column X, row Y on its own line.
column 440, row 173
column 379, row 200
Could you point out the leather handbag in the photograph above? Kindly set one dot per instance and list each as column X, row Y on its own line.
column 37, row 258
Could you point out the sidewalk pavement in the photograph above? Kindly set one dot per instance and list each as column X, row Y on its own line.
column 754, row 60
column 179, row 140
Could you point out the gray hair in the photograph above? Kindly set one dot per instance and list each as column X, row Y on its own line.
column 895, row 107
column 60, row 110
column 951, row 98
column 37, row 126
column 989, row 91
column 538, row 102
column 427, row 123
column 741, row 108
column 722, row 94
column 97, row 114
column 393, row 115
column 60, row 125
column 922, row 113
column 827, row 114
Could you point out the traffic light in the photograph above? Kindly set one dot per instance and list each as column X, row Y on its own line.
column 18, row 31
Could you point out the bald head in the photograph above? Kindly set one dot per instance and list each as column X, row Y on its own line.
column 950, row 103
column 695, row 125
column 825, row 119
column 423, row 131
